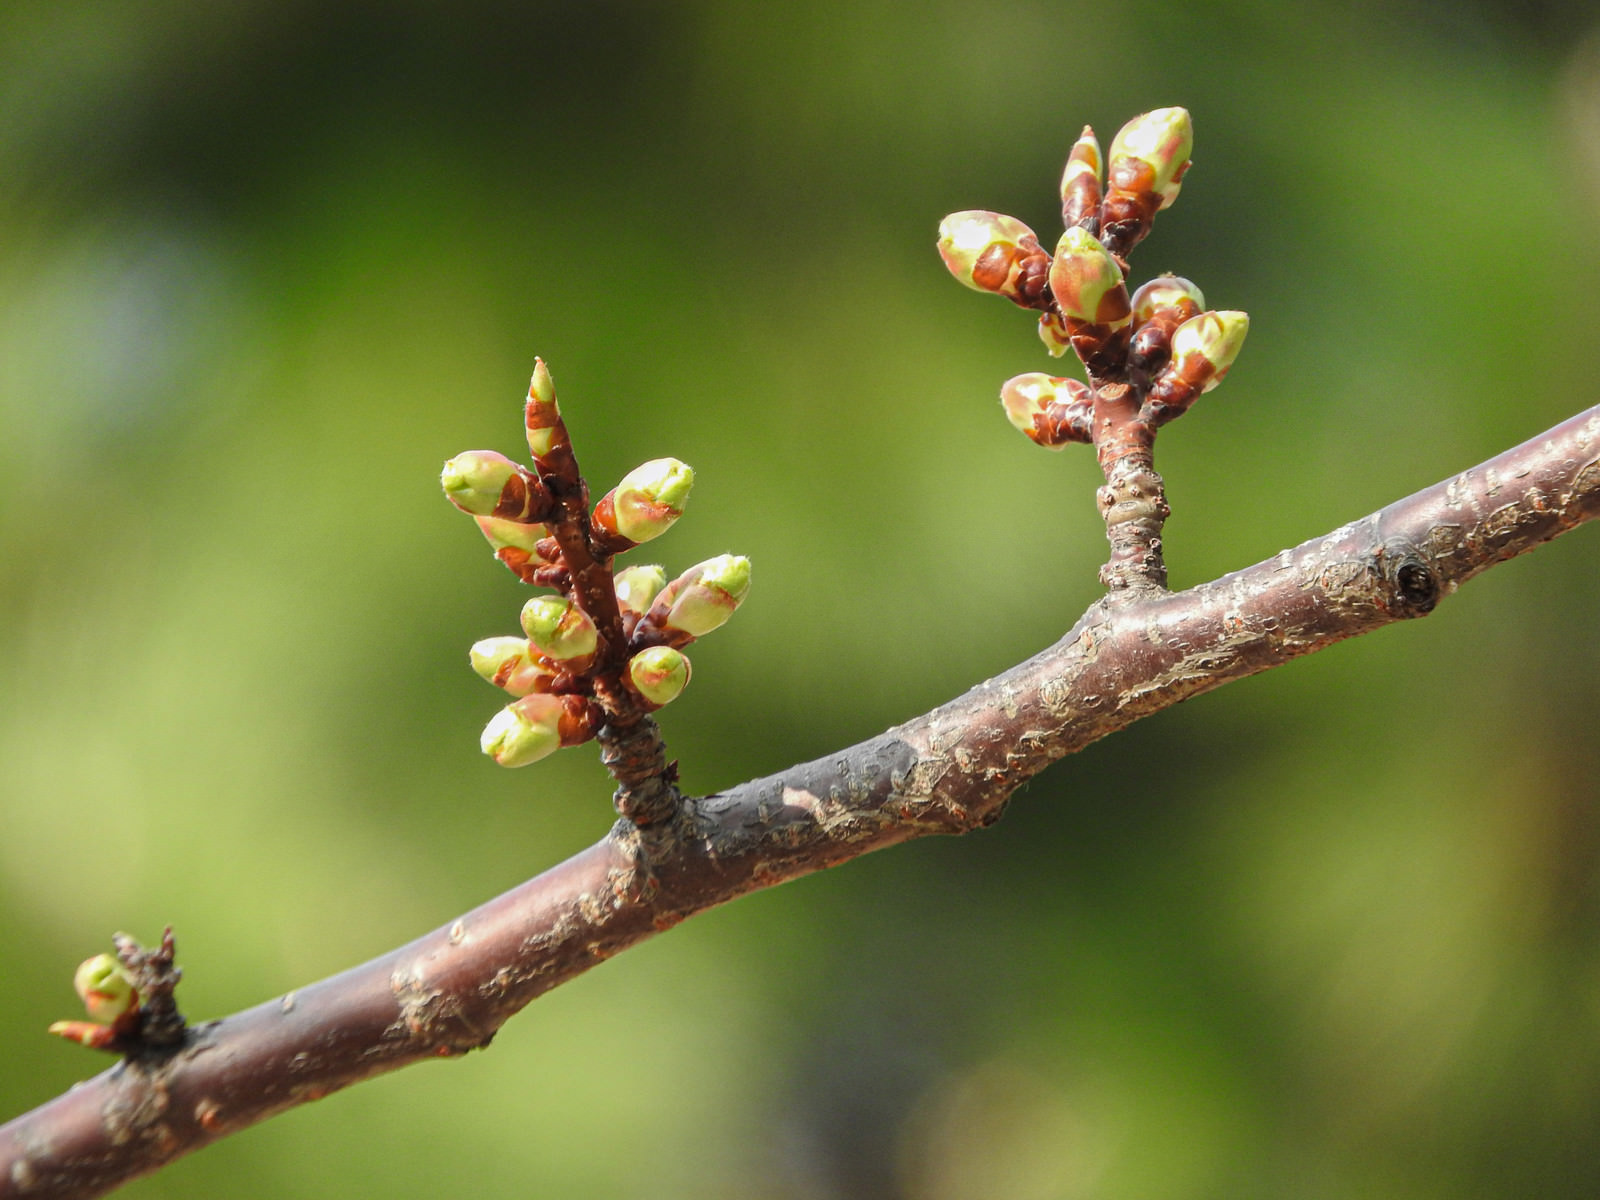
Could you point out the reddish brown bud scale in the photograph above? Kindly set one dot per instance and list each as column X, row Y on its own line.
column 524, row 498
column 580, row 720
column 1102, row 349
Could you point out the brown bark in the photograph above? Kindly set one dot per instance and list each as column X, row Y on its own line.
column 947, row 771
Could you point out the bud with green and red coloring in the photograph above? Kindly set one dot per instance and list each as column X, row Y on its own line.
column 1080, row 184
column 559, row 629
column 1050, row 410
column 637, row 588
column 1159, row 307
column 991, row 252
column 1087, row 282
column 1144, row 171
column 1088, row 285
column 658, row 674
column 541, row 415
column 648, row 500
column 107, row 992
column 703, row 597
column 1203, row 352
column 511, row 663
column 486, row 484
column 1054, row 334
column 536, row 727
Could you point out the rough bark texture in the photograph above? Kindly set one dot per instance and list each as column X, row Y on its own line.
column 948, row 771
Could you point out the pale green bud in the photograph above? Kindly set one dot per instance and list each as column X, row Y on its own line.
column 507, row 663
column 1150, row 153
column 559, row 628
column 651, row 497
column 524, row 732
column 659, row 674
column 487, row 484
column 991, row 252
column 638, row 587
column 1204, row 347
column 105, row 988
column 707, row 594
column 1087, row 281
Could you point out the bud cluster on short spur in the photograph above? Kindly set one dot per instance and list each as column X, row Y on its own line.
column 607, row 647
column 1147, row 356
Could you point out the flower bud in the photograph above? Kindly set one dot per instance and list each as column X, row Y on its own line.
column 1159, row 307
column 1203, row 350
column 559, row 628
column 508, row 663
column 638, row 587
column 650, row 498
column 1167, row 292
column 103, row 985
column 1151, row 152
column 1087, row 282
column 1049, row 410
column 541, row 415
column 487, row 484
column 536, row 727
column 523, row 732
column 1210, row 341
column 1080, row 184
column 1146, row 167
column 704, row 596
column 659, row 674
column 991, row 252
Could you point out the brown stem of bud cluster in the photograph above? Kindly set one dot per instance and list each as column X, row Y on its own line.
column 1148, row 357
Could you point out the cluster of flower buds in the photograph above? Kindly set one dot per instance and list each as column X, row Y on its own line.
column 608, row 647
column 1161, row 341
column 109, row 998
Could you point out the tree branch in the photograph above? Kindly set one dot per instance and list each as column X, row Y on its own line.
column 948, row 771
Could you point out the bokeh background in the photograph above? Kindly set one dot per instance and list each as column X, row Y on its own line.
column 1331, row 932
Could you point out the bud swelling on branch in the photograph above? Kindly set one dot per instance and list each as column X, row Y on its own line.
column 1050, row 410
column 1159, row 307
column 1144, row 171
column 647, row 502
column 105, row 989
column 486, row 484
column 536, row 727
column 508, row 663
column 991, row 252
column 637, row 588
column 1203, row 352
column 1087, row 282
column 703, row 597
column 659, row 674
column 559, row 629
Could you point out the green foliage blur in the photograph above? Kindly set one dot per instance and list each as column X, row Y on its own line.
column 1332, row 932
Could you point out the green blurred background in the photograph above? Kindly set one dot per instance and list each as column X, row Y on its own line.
column 265, row 264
